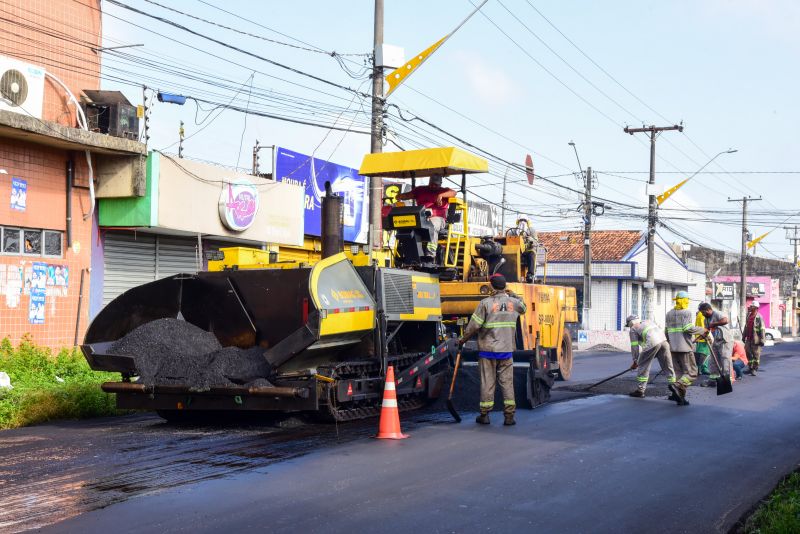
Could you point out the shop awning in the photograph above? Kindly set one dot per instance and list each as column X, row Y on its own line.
column 447, row 161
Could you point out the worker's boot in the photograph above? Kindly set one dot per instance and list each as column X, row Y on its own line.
column 483, row 418
column 509, row 420
column 637, row 393
column 678, row 394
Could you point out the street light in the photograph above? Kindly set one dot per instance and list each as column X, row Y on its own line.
column 668, row 193
column 572, row 144
column 729, row 151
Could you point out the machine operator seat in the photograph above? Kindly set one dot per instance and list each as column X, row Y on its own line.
column 412, row 230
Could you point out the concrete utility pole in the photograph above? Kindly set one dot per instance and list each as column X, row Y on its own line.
column 652, row 214
column 794, row 239
column 743, row 260
column 503, row 203
column 180, row 141
column 587, row 249
column 376, row 139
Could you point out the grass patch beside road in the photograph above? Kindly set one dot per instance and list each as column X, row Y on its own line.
column 780, row 512
column 48, row 387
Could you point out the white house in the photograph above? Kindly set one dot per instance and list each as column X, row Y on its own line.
column 619, row 270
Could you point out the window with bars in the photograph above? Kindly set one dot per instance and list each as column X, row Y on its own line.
column 634, row 299
column 31, row 242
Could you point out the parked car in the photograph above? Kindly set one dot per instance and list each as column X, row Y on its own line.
column 772, row 334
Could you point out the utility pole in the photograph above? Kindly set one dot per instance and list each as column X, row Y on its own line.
column 145, row 134
column 652, row 215
column 743, row 260
column 587, row 249
column 255, row 159
column 794, row 239
column 503, row 203
column 180, row 141
column 376, row 138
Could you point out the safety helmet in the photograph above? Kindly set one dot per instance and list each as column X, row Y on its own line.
column 631, row 319
column 681, row 295
column 755, row 304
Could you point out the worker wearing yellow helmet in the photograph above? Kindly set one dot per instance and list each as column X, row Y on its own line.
column 701, row 350
column 680, row 326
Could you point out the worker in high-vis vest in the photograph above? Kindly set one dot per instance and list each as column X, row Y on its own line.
column 680, row 327
column 647, row 343
column 495, row 323
column 701, row 351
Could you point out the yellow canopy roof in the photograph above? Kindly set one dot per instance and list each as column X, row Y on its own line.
column 415, row 163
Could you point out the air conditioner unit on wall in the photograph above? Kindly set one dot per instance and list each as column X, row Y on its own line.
column 21, row 87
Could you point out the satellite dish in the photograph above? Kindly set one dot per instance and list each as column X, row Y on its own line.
column 529, row 169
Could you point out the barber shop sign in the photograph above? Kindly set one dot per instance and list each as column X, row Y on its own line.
column 238, row 204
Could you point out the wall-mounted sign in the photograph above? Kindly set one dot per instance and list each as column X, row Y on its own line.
column 723, row 290
column 311, row 174
column 755, row 289
column 19, row 194
column 483, row 219
column 238, row 204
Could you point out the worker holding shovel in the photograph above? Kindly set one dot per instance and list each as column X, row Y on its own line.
column 495, row 324
column 721, row 346
column 679, row 329
column 648, row 343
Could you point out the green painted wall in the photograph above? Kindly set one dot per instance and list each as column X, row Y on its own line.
column 134, row 211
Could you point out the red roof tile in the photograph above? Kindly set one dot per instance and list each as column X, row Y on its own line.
column 607, row 245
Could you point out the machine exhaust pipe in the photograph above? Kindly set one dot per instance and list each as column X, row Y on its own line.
column 332, row 223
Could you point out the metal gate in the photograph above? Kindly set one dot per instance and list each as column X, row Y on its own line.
column 133, row 259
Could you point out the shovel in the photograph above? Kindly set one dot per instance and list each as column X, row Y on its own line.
column 450, row 407
column 724, row 381
column 587, row 388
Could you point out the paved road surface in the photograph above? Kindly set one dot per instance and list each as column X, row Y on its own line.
column 606, row 463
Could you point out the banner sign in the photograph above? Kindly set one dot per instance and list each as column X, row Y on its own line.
column 19, row 194
column 312, row 173
column 483, row 219
column 755, row 289
column 723, row 290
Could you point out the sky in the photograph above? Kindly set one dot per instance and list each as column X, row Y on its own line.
column 521, row 76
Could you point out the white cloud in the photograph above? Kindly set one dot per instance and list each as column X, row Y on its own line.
column 489, row 82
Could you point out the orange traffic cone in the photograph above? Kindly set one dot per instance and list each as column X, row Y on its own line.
column 389, row 426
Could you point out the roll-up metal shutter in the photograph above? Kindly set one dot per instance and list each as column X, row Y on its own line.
column 175, row 255
column 135, row 259
column 130, row 261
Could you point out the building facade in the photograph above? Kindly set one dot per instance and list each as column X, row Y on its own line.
column 619, row 271
column 46, row 202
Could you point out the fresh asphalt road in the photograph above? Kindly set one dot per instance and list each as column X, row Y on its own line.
column 605, row 463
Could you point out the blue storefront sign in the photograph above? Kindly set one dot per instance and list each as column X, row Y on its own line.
column 312, row 173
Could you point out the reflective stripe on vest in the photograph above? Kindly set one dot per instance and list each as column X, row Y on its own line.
column 645, row 331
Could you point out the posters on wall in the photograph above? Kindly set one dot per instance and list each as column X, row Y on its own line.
column 19, row 194
column 38, row 287
column 311, row 174
column 41, row 281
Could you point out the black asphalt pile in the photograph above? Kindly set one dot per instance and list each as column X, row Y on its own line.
column 174, row 352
